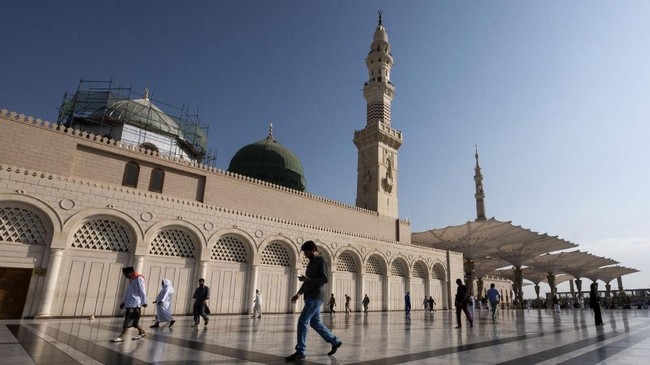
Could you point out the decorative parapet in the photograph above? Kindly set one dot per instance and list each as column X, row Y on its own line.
column 193, row 203
column 75, row 133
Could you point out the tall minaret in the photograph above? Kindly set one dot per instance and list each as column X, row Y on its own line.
column 378, row 142
column 480, row 195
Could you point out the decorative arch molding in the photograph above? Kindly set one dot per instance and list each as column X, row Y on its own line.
column 194, row 232
column 40, row 207
column 49, row 221
column 356, row 256
column 247, row 240
column 439, row 271
column 323, row 249
column 382, row 260
column 423, row 265
column 76, row 221
column 294, row 255
column 403, row 261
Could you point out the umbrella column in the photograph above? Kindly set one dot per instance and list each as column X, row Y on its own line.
column 469, row 275
column 519, row 282
column 551, row 283
column 579, row 287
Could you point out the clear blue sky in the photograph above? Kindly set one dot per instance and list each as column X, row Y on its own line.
column 556, row 94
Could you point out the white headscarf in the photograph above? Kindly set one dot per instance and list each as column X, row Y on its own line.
column 167, row 284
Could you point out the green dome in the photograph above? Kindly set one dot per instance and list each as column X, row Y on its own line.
column 268, row 160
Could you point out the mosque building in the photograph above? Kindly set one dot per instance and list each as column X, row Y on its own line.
column 119, row 182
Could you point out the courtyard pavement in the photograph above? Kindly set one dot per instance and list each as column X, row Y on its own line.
column 517, row 337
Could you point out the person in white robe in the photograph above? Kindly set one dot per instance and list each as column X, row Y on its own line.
column 257, row 305
column 163, row 304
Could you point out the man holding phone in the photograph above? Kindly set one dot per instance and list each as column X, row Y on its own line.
column 312, row 284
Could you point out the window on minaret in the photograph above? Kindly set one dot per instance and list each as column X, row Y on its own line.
column 131, row 174
column 157, row 180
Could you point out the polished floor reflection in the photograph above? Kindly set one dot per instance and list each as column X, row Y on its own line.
column 517, row 337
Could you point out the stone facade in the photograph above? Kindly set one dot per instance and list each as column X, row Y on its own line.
column 65, row 214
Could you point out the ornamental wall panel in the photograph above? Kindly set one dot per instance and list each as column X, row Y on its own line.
column 274, row 278
column 397, row 291
column 373, row 285
column 274, row 283
column 345, row 283
column 181, row 273
column 91, row 283
column 228, row 282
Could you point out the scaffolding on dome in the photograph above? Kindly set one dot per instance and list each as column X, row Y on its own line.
column 92, row 108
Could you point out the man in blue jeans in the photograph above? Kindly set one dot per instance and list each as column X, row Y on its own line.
column 312, row 283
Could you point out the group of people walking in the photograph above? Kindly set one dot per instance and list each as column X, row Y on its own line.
column 135, row 298
column 313, row 282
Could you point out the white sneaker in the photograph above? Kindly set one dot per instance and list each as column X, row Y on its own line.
column 118, row 339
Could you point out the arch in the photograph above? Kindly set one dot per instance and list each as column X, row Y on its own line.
column 276, row 254
column 24, row 223
column 246, row 239
column 399, row 267
column 438, row 271
column 323, row 250
column 133, row 228
column 275, row 273
column 173, row 240
column 131, row 174
column 286, row 242
column 439, row 285
column 420, row 270
column 44, row 209
column 193, row 231
column 376, row 264
column 348, row 260
column 157, row 180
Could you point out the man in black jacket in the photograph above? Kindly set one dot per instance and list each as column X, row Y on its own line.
column 201, row 295
column 462, row 298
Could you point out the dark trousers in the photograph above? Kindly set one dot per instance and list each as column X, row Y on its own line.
column 199, row 311
column 463, row 307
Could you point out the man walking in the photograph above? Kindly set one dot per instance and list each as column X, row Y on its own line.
column 494, row 298
column 407, row 304
column 135, row 297
column 461, row 302
column 365, row 303
column 312, row 288
column 332, row 304
column 431, row 304
column 347, row 304
column 201, row 295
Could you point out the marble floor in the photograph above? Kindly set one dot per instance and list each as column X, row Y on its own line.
column 517, row 337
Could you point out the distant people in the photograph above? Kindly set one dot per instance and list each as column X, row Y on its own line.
column 257, row 304
column 347, row 304
column 407, row 303
column 135, row 297
column 594, row 301
column 365, row 303
column 163, row 304
column 312, row 287
column 581, row 301
column 461, row 301
column 425, row 303
column 556, row 304
column 201, row 296
column 493, row 298
column 332, row 304
column 431, row 303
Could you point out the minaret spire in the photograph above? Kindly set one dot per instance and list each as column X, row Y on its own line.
column 377, row 143
column 479, row 195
